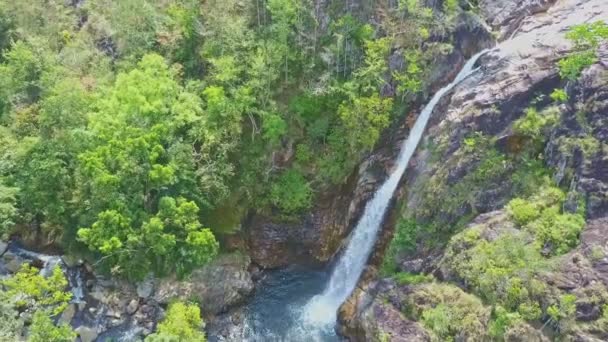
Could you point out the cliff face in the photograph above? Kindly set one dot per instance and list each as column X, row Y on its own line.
column 443, row 186
column 317, row 236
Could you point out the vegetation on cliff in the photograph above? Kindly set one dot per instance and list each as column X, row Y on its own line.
column 510, row 260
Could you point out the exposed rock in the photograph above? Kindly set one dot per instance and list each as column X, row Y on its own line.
column 132, row 306
column 71, row 261
column 221, row 284
column 507, row 15
column 227, row 327
column 3, row 247
column 375, row 315
column 145, row 287
column 12, row 262
column 86, row 334
column 68, row 314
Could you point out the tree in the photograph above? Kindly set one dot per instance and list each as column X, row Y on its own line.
column 364, row 119
column 8, row 209
column 139, row 181
column 182, row 323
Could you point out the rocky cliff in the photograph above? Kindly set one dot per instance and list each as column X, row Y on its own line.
column 454, row 185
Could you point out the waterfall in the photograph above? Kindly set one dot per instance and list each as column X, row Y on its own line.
column 322, row 309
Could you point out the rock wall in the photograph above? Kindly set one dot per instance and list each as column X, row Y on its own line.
column 520, row 70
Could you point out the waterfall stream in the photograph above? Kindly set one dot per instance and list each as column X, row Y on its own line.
column 316, row 320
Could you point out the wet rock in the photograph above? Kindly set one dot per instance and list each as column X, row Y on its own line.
column 86, row 334
column 221, row 284
column 111, row 313
column 132, row 306
column 68, row 314
column 12, row 262
column 372, row 315
column 71, row 261
column 3, row 247
column 227, row 327
column 146, row 287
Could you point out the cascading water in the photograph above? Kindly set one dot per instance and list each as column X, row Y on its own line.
column 322, row 309
column 286, row 311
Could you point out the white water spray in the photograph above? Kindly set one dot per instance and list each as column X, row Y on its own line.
column 322, row 309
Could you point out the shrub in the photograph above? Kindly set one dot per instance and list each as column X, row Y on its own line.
column 502, row 320
column 586, row 38
column 559, row 95
column 542, row 216
column 291, row 193
column 572, row 66
column 27, row 289
column 533, row 123
column 10, row 325
column 182, row 323
column 522, row 211
column 558, row 231
column 43, row 330
column 448, row 312
column 562, row 314
column 501, row 271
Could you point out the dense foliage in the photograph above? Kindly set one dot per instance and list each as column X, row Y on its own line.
column 137, row 131
column 28, row 293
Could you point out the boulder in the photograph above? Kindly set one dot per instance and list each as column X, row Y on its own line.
column 146, row 287
column 71, row 261
column 12, row 262
column 68, row 314
column 375, row 314
column 132, row 306
column 87, row 334
column 3, row 247
column 217, row 286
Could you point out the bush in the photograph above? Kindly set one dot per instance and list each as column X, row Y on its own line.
column 557, row 231
column 27, row 289
column 533, row 123
column 43, row 330
column 559, row 95
column 291, row 193
column 448, row 312
column 542, row 216
column 586, row 38
column 502, row 320
column 562, row 314
column 182, row 323
column 522, row 211
column 501, row 271
column 572, row 66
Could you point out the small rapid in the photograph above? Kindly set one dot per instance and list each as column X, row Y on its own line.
column 315, row 320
